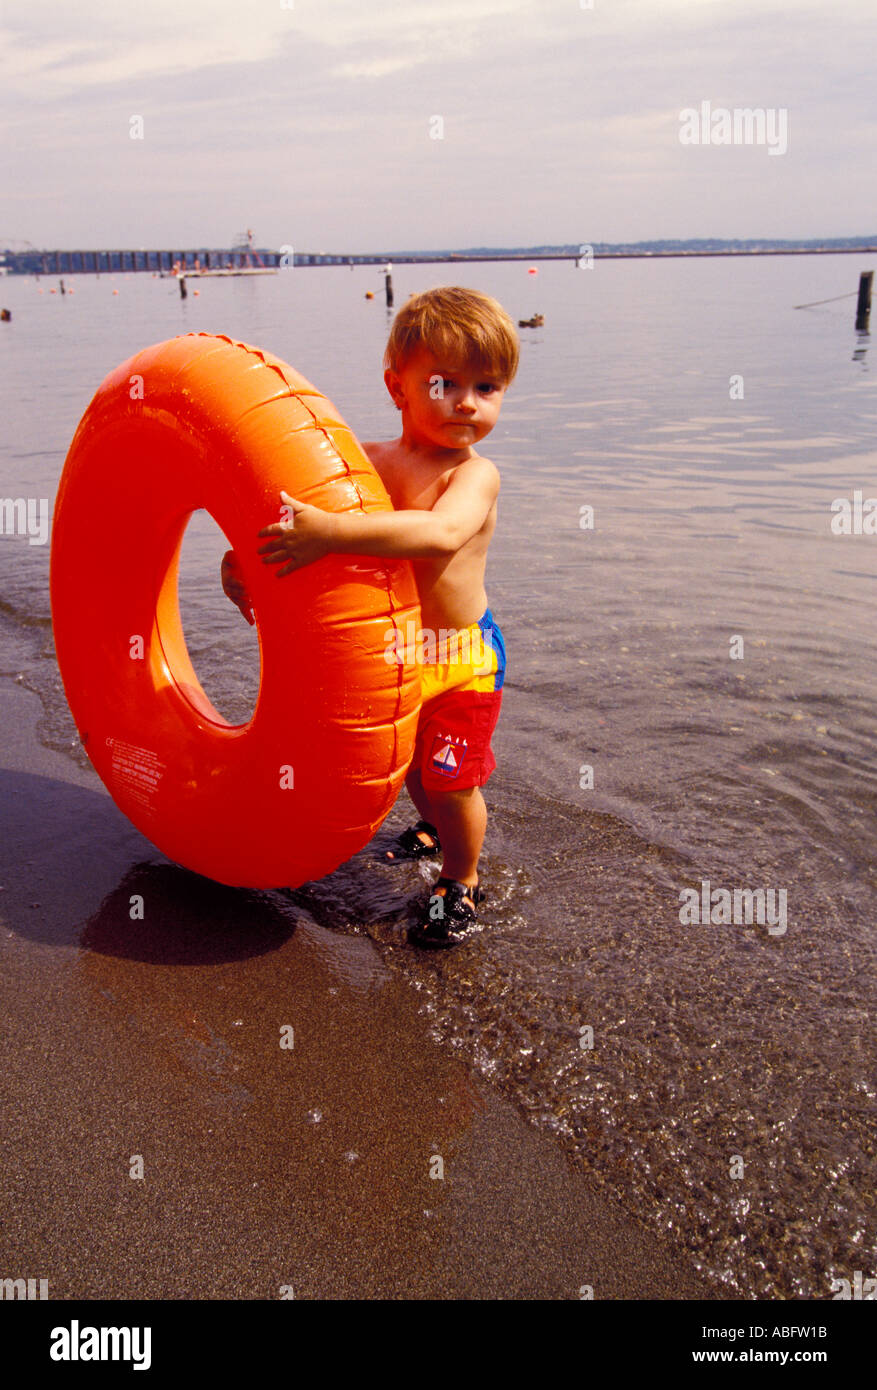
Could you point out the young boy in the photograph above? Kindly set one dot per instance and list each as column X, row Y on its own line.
column 450, row 357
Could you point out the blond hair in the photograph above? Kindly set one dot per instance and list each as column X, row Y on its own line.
column 458, row 325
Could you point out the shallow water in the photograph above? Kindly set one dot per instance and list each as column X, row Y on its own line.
column 716, row 1048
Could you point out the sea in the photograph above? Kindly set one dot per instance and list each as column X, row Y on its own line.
column 684, row 572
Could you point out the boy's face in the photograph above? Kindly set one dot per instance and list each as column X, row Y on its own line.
column 450, row 405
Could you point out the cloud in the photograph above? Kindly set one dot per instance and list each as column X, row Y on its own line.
column 318, row 116
column 44, row 45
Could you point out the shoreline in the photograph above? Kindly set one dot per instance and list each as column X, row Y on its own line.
column 307, row 260
column 158, row 1039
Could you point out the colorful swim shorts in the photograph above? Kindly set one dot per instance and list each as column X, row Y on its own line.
column 461, row 692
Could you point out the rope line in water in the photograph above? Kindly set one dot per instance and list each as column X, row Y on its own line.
column 834, row 300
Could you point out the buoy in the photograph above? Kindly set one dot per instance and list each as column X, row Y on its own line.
column 369, row 294
column 533, row 270
column 203, row 421
column 114, row 291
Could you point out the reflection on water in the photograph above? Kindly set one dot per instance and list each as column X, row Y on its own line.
column 705, row 647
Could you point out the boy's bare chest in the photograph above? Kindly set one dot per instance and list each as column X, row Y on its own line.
column 412, row 486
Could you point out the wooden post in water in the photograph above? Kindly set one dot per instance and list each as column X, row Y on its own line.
column 863, row 308
column 388, row 285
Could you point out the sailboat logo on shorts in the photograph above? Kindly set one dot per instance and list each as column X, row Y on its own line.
column 447, row 754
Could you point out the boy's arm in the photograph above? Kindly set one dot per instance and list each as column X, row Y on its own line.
column 457, row 516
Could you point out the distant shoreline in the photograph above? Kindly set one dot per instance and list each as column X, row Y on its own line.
column 90, row 262
column 761, row 251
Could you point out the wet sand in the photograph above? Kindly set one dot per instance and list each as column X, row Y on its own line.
column 263, row 1166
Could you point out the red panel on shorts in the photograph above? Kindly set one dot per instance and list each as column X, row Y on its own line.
column 453, row 749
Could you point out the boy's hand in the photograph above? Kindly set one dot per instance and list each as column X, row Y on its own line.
column 302, row 540
column 233, row 588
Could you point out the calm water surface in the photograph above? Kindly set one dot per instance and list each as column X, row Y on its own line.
column 717, row 1048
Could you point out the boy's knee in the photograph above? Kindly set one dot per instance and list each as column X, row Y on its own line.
column 456, row 796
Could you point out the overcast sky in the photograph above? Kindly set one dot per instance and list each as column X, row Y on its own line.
column 314, row 121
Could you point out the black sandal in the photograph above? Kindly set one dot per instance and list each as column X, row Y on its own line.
column 410, row 846
column 450, row 923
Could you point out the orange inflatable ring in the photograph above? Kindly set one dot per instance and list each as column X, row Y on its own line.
column 202, row 421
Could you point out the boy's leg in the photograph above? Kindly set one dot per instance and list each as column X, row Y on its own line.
column 452, row 755
column 460, row 817
column 414, row 787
